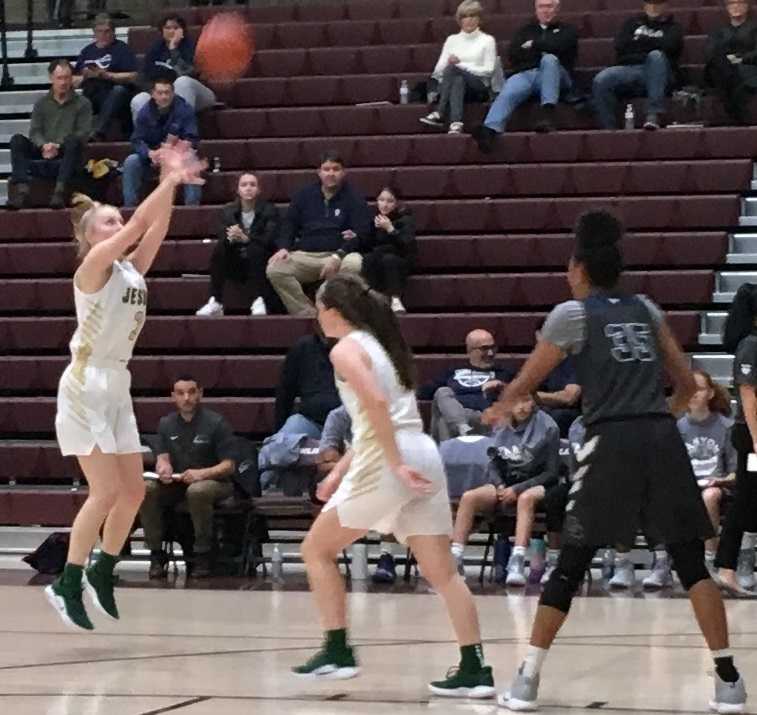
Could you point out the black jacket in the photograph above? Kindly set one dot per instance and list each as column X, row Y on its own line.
column 309, row 375
column 401, row 242
column 315, row 224
column 640, row 35
column 740, row 41
column 265, row 227
column 559, row 39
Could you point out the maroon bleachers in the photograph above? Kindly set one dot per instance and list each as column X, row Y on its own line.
column 494, row 230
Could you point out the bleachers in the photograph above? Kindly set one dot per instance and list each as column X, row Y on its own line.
column 493, row 230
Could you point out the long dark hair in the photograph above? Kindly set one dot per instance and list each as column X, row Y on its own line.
column 741, row 314
column 368, row 310
column 598, row 234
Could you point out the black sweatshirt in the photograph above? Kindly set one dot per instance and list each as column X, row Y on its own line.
column 401, row 242
column 558, row 38
column 309, row 375
column 265, row 227
column 315, row 223
column 640, row 35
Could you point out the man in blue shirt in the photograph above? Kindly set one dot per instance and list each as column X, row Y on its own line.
column 165, row 117
column 321, row 236
column 106, row 71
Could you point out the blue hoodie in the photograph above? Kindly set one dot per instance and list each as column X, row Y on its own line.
column 152, row 127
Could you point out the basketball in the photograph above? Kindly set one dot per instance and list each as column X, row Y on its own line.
column 225, row 47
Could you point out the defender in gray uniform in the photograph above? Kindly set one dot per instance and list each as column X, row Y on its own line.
column 633, row 470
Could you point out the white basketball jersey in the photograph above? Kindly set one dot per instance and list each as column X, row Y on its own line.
column 109, row 321
column 403, row 407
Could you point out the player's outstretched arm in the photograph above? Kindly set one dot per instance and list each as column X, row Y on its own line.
column 180, row 161
column 545, row 358
column 677, row 366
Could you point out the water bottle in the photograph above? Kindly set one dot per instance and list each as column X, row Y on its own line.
column 608, row 564
column 359, row 570
column 538, row 552
column 277, row 564
column 404, row 92
column 630, row 117
column 216, row 164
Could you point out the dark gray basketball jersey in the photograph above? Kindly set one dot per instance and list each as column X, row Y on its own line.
column 615, row 344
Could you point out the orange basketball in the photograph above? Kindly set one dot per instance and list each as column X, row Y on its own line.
column 225, row 47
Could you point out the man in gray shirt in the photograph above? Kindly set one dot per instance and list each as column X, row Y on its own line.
column 60, row 126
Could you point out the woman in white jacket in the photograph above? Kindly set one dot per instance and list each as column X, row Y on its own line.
column 465, row 66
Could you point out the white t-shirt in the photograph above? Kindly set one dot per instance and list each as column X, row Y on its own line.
column 247, row 218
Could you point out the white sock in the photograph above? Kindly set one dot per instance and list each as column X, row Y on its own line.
column 519, row 550
column 457, row 549
column 534, row 660
column 725, row 653
column 660, row 555
column 748, row 541
column 386, row 548
column 709, row 555
column 621, row 557
column 553, row 555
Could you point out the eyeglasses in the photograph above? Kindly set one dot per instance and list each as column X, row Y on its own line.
column 486, row 348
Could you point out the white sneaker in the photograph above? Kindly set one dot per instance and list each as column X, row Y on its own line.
column 456, row 128
column 397, row 306
column 516, row 571
column 258, row 307
column 661, row 576
column 434, row 119
column 211, row 309
column 624, row 574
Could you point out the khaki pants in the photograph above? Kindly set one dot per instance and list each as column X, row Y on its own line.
column 201, row 499
column 301, row 268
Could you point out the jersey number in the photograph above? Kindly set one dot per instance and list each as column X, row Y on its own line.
column 631, row 341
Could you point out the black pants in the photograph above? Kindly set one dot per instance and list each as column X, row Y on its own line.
column 242, row 262
column 62, row 168
column 555, row 501
column 110, row 102
column 456, row 86
column 742, row 514
column 727, row 80
column 386, row 272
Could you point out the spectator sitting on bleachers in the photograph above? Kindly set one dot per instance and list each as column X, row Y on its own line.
column 173, row 56
column 195, row 464
column 647, row 49
column 389, row 247
column 706, row 432
column 560, row 395
column 307, row 374
column 247, row 231
column 461, row 394
column 324, row 225
column 106, row 71
column 556, row 498
column 60, row 126
column 464, row 69
column 526, row 467
column 542, row 55
column 731, row 57
column 165, row 117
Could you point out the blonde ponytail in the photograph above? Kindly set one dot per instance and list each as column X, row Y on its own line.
column 82, row 210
